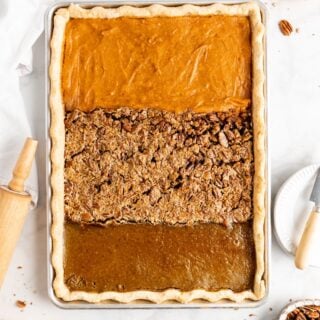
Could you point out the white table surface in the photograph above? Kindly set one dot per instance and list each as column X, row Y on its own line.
column 294, row 105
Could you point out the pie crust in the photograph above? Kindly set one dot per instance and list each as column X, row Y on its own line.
column 57, row 134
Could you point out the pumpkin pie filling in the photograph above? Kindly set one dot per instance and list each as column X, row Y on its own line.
column 129, row 257
column 158, row 154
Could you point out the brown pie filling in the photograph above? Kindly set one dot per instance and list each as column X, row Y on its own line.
column 158, row 154
column 131, row 257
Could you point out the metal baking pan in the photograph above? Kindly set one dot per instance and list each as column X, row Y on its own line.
column 145, row 305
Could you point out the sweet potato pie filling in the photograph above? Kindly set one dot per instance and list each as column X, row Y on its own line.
column 171, row 63
column 158, row 154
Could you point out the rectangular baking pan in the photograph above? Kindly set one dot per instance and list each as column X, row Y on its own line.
column 145, row 305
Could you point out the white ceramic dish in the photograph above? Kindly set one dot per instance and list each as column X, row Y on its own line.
column 290, row 307
column 292, row 208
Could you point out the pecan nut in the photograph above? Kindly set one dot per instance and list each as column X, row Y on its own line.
column 305, row 313
column 285, row 27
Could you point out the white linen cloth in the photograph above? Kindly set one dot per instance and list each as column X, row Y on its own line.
column 21, row 23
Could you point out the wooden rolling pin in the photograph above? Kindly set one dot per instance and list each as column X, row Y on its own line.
column 14, row 205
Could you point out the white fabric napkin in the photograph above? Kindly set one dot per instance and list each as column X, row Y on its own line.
column 21, row 23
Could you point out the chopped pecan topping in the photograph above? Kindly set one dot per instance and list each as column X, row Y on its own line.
column 147, row 165
column 223, row 139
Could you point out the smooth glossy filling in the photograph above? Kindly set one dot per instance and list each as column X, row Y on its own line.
column 130, row 257
column 199, row 63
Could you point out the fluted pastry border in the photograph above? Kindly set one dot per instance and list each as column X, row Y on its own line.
column 57, row 134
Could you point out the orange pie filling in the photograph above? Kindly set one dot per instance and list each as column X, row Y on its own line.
column 158, row 154
column 170, row 63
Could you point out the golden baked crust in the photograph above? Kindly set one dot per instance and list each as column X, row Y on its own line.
column 57, row 133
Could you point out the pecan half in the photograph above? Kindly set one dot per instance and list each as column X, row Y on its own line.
column 285, row 27
column 21, row 304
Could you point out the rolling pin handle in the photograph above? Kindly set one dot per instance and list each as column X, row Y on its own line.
column 23, row 165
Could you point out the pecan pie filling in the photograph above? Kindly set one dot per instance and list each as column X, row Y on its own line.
column 158, row 154
column 154, row 166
